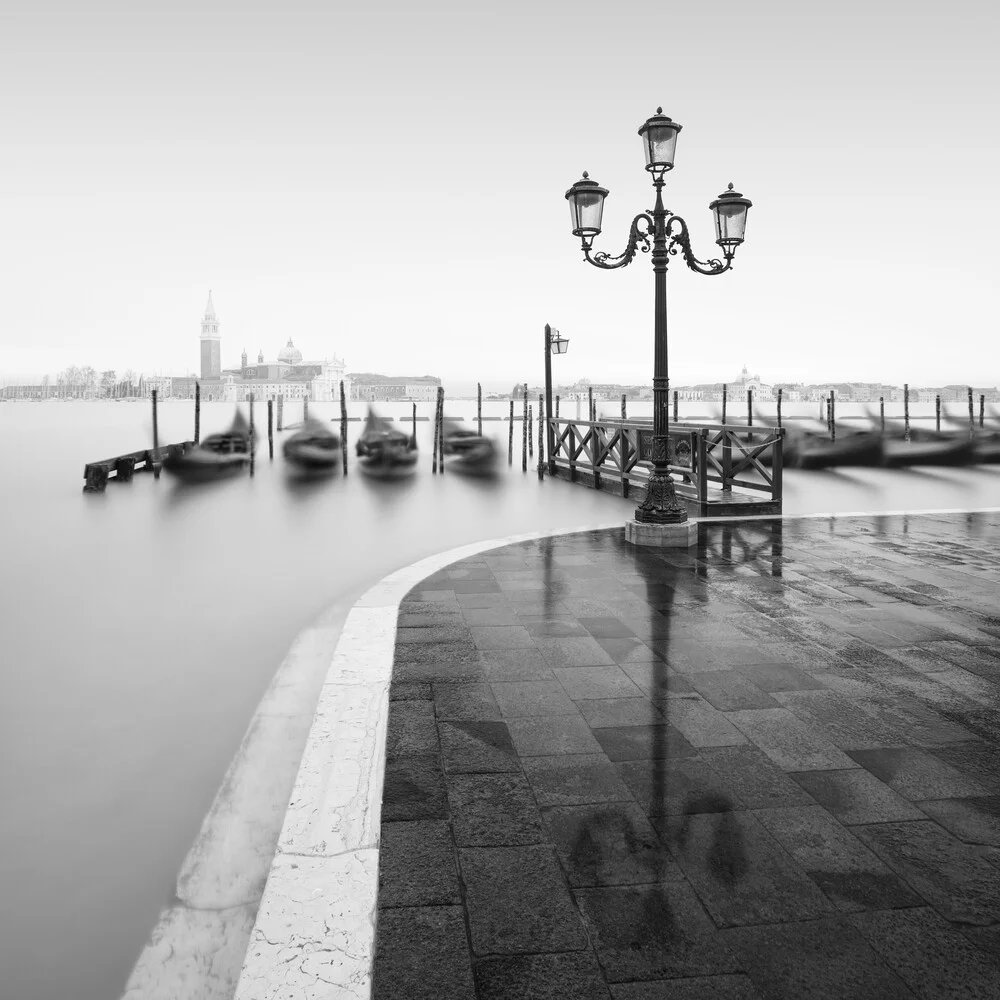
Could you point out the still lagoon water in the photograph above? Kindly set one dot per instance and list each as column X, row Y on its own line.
column 139, row 629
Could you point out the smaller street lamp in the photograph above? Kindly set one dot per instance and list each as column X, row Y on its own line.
column 554, row 344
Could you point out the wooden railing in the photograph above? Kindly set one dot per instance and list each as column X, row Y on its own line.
column 706, row 459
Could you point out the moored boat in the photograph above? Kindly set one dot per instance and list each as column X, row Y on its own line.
column 313, row 449
column 472, row 453
column 216, row 457
column 384, row 451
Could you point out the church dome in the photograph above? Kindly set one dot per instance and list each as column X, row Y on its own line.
column 290, row 354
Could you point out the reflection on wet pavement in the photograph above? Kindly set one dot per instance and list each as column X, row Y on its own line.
column 765, row 767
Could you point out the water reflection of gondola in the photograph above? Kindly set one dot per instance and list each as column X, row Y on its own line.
column 217, row 456
column 314, row 450
column 384, row 451
column 474, row 454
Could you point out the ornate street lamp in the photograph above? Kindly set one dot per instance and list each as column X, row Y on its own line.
column 554, row 344
column 665, row 234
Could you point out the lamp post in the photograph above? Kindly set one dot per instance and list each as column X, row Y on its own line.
column 554, row 344
column 665, row 234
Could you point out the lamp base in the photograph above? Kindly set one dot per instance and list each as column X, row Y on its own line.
column 662, row 536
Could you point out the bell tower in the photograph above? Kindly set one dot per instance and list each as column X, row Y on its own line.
column 211, row 344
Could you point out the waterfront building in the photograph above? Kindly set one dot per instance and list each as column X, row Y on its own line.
column 373, row 388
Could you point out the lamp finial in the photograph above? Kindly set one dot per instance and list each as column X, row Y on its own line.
column 585, row 175
column 730, row 185
column 659, row 111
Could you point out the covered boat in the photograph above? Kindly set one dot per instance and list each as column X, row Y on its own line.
column 473, row 453
column 314, row 449
column 924, row 447
column 384, row 451
column 217, row 456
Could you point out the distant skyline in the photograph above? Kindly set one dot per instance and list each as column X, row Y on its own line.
column 385, row 182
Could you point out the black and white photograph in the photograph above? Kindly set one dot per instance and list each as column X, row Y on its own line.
column 499, row 501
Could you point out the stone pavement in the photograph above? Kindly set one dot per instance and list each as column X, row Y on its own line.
column 768, row 767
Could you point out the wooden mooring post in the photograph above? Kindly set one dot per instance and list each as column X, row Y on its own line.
column 531, row 432
column 833, row 416
column 937, row 412
column 479, row 409
column 270, row 429
column 413, row 425
column 156, row 437
column 510, row 436
column 779, row 406
column 972, row 419
column 624, row 408
column 881, row 412
column 541, row 436
column 343, row 427
column 906, row 411
column 749, row 414
column 434, row 434
column 252, row 448
column 557, row 407
column 197, row 412
column 590, row 402
column 675, row 406
column 524, row 431
column 982, row 408
column 281, row 410
column 725, row 393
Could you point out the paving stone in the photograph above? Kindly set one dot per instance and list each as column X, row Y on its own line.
column 475, row 586
column 410, row 692
column 739, row 872
column 984, row 938
column 422, row 953
column 428, row 596
column 541, row 977
column 974, row 820
column 788, row 742
column 677, row 787
column 477, row 617
column 608, row 681
column 656, row 679
column 737, row 987
column 452, row 632
column 443, row 671
column 417, row 865
column 477, row 747
column 916, row 774
column 976, row 760
column 695, row 657
column 702, row 725
column 608, row 844
column 520, row 699
column 842, row 720
column 603, row 713
column 572, row 652
column 929, row 955
column 642, row 742
column 543, row 736
column 761, row 783
column 443, row 614
column 554, row 628
column 950, row 875
column 652, row 932
column 465, row 702
column 848, row 873
column 729, row 690
column 820, row 959
column 628, row 650
column 501, row 637
column 606, row 626
column 413, row 789
column 574, row 779
column 500, row 665
column 411, row 729
column 856, row 796
column 493, row 810
column 489, row 600
column 518, row 902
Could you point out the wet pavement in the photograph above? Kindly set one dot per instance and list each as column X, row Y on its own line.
column 767, row 767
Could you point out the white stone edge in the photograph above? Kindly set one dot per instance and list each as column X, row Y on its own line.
column 314, row 934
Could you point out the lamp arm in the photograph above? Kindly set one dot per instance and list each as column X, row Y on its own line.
column 638, row 239
column 681, row 239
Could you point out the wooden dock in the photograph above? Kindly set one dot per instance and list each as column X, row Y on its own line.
column 97, row 475
column 719, row 470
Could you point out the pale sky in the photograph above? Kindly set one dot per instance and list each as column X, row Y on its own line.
column 385, row 181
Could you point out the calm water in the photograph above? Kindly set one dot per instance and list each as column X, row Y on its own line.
column 140, row 628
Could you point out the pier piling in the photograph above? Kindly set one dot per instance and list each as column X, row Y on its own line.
column 725, row 394
column 343, row 426
column 479, row 409
column 906, row 411
column 510, row 435
column 779, row 406
column 749, row 414
column 270, row 429
column 524, row 431
column 881, row 412
column 252, row 448
column 197, row 412
column 590, row 402
column 937, row 412
column 413, row 424
column 156, row 437
column 972, row 419
column 435, row 435
column 982, row 408
column 833, row 416
column 441, row 429
column 675, row 406
column 541, row 437
column 624, row 416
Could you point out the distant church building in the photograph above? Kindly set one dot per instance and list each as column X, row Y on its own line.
column 288, row 376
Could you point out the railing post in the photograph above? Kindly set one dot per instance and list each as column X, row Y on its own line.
column 571, row 428
column 703, row 466
column 777, row 464
column 727, row 459
column 624, row 417
column 749, row 415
